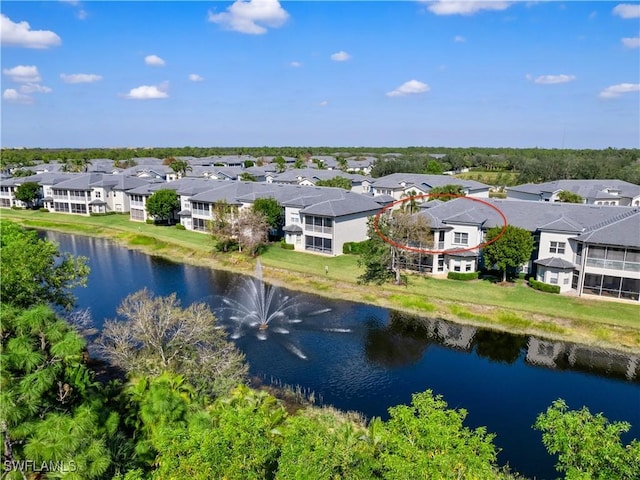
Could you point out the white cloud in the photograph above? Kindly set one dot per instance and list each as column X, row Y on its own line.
column 13, row 96
column 23, row 74
column 148, row 92
column 80, row 77
column 295, row 64
column 459, row 39
column 21, row 35
column 194, row 77
column 454, row 7
column 340, row 56
column 631, row 42
column 251, row 16
column 323, row 103
column 614, row 91
column 552, row 79
column 154, row 61
column 82, row 14
column 34, row 88
column 627, row 10
column 412, row 87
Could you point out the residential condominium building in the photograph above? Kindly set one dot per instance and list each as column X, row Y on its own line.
column 584, row 249
column 400, row 185
column 596, row 192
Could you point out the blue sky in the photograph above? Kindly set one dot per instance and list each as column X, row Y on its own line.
column 312, row 73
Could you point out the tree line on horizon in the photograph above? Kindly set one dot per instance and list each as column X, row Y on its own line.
column 531, row 165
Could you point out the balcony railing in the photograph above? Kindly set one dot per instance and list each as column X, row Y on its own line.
column 318, row 228
column 613, row 264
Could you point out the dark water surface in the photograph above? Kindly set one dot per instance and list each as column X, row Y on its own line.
column 364, row 358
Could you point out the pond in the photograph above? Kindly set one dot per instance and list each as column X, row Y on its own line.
column 365, row 358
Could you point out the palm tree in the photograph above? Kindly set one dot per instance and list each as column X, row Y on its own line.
column 411, row 205
column 181, row 167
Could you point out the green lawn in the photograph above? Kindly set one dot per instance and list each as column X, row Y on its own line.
column 490, row 178
column 514, row 306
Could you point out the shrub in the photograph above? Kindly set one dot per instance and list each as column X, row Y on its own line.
column 43, row 210
column 15, row 207
column 352, row 248
column 287, row 246
column 462, row 275
column 544, row 287
column 95, row 214
column 150, row 221
column 179, row 226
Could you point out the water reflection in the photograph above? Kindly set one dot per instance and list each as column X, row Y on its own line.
column 405, row 339
column 567, row 356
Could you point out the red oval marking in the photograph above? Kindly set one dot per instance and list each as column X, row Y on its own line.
column 436, row 195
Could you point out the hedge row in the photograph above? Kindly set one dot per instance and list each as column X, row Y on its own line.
column 352, row 248
column 544, row 287
column 462, row 275
column 287, row 246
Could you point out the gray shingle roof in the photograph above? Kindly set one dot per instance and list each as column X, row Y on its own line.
column 561, row 224
column 555, row 262
column 534, row 216
column 293, row 229
column 623, row 230
column 349, row 204
column 395, row 181
column 584, row 188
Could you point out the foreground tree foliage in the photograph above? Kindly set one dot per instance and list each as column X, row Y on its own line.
column 588, row 446
column 512, row 248
column 33, row 271
column 51, row 410
column 428, row 440
column 249, row 435
column 155, row 335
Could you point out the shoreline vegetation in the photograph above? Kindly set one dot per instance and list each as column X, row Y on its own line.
column 514, row 308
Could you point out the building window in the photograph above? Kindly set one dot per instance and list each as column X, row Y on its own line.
column 201, row 208
column 61, row 206
column 98, row 194
column 456, row 266
column 557, row 247
column 5, row 202
column 318, row 224
column 553, row 278
column 460, row 238
column 78, row 208
column 467, row 267
column 199, row 224
column 318, row 244
column 565, row 281
column 137, row 214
